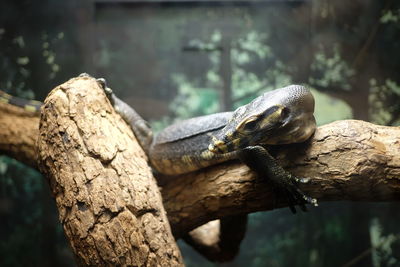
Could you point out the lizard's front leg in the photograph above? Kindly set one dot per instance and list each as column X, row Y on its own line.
column 259, row 160
column 139, row 126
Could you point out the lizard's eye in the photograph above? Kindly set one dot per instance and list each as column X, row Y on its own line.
column 251, row 125
column 285, row 112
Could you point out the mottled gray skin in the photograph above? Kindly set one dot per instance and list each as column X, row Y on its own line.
column 183, row 147
column 281, row 116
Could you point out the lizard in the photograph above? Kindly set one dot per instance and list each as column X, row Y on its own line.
column 281, row 116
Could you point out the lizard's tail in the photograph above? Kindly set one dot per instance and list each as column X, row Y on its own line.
column 28, row 105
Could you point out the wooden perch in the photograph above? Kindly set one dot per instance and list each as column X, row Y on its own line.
column 108, row 201
column 346, row 160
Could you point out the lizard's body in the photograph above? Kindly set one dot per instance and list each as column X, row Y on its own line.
column 188, row 150
column 184, row 146
column 281, row 116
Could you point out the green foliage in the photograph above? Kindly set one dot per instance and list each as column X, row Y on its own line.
column 49, row 53
column 19, row 188
column 31, row 234
column 390, row 16
column 191, row 101
column 384, row 100
column 16, row 62
column 328, row 109
column 382, row 253
column 330, row 70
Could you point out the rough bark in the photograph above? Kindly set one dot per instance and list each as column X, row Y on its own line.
column 108, row 201
column 346, row 160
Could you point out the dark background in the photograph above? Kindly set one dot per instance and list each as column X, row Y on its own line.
column 177, row 59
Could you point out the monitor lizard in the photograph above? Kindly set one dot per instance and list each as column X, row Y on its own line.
column 281, row 116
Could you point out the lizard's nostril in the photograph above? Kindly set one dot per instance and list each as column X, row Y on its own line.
column 217, row 146
column 212, row 148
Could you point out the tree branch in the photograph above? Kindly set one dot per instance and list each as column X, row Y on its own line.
column 18, row 133
column 346, row 160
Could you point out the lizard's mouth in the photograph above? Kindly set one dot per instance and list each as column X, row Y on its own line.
column 221, row 147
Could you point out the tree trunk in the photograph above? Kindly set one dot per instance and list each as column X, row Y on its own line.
column 108, row 201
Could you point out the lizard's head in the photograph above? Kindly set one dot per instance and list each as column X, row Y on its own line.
column 281, row 116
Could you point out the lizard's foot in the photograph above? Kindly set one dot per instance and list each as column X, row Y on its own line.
column 102, row 82
column 259, row 160
column 290, row 185
column 107, row 90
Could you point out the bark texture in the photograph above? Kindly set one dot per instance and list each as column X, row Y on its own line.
column 108, row 200
column 345, row 160
column 18, row 133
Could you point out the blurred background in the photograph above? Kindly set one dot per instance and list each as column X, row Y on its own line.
column 173, row 59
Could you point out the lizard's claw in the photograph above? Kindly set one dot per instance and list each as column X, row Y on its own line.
column 107, row 90
column 260, row 161
column 102, row 82
column 296, row 196
column 301, row 180
column 84, row 74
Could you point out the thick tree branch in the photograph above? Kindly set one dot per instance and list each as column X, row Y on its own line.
column 18, row 133
column 346, row 160
column 108, row 201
